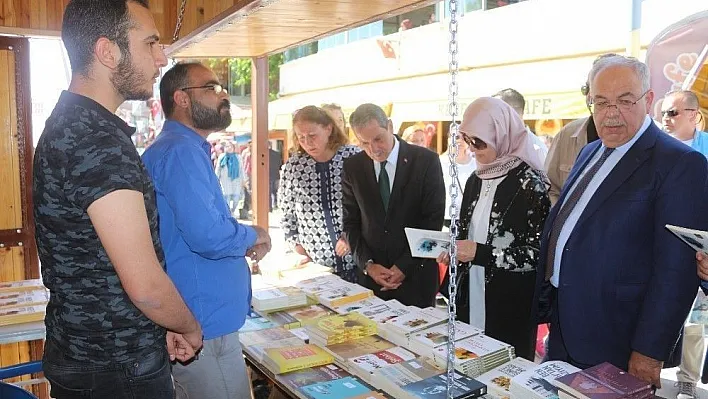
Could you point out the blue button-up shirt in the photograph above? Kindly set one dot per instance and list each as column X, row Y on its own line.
column 204, row 245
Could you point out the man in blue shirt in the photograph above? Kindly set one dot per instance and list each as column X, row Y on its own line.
column 679, row 114
column 205, row 247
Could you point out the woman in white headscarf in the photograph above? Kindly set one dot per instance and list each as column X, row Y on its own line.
column 504, row 206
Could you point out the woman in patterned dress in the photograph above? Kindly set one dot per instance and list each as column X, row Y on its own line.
column 504, row 206
column 310, row 193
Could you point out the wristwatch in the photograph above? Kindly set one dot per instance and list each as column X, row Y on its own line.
column 368, row 262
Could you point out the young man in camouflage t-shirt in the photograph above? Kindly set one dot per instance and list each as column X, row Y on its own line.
column 96, row 219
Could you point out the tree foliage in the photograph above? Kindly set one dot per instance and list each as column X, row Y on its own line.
column 240, row 71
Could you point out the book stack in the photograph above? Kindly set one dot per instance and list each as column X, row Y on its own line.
column 365, row 365
column 340, row 328
column 258, row 350
column 399, row 329
column 250, row 338
column 392, row 379
column 343, row 388
column 498, row 380
column 299, row 317
column 602, row 381
column 384, row 312
column 313, row 286
column 22, row 301
column 436, row 387
column 535, row 383
column 283, row 360
column 364, row 303
column 362, row 346
column 343, row 294
column 277, row 298
column 476, row 355
column 424, row 342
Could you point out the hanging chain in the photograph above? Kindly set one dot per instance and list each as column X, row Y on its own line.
column 180, row 19
column 454, row 110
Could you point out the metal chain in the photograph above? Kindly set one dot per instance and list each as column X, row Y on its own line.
column 454, row 110
column 180, row 19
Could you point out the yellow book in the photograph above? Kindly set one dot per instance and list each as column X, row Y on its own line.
column 351, row 323
column 284, row 360
column 21, row 314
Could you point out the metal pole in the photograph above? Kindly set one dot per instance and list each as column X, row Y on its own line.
column 634, row 43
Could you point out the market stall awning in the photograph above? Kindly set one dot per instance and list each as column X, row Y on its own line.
column 255, row 28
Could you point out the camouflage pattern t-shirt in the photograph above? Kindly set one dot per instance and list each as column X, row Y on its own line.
column 85, row 153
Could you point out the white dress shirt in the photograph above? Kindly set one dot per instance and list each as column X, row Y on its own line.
column 538, row 145
column 604, row 171
column 391, row 162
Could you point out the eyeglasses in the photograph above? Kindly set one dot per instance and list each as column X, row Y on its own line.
column 473, row 142
column 217, row 88
column 623, row 104
column 672, row 113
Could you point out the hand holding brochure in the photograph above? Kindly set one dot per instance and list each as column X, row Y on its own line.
column 696, row 239
column 427, row 243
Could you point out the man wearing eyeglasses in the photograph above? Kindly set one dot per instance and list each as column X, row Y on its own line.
column 679, row 114
column 205, row 247
column 622, row 285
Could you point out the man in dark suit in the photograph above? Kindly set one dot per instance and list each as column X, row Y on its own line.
column 387, row 187
column 623, row 284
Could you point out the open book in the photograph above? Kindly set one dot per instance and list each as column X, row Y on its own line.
column 696, row 239
column 427, row 243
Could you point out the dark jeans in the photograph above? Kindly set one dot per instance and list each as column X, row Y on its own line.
column 148, row 377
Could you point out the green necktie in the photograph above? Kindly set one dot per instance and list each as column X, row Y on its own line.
column 384, row 186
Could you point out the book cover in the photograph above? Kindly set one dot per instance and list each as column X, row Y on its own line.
column 438, row 335
column 696, row 239
column 407, row 372
column 370, row 395
column 258, row 350
column 340, row 324
column 344, row 294
column 384, row 312
column 307, row 315
column 364, row 303
column 427, row 243
column 413, row 321
column 358, row 347
column 385, row 358
column 498, row 380
column 436, row 387
column 296, row 358
column 342, row 388
column 604, row 381
column 313, row 375
column 256, row 337
column 538, row 379
column 256, row 323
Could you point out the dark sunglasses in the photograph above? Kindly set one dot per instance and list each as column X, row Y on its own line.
column 474, row 142
column 672, row 113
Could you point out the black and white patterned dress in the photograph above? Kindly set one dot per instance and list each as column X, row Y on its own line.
column 310, row 197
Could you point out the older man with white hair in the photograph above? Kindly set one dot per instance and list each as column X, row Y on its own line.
column 621, row 283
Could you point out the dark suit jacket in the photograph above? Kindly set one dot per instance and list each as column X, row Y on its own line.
column 417, row 200
column 626, row 282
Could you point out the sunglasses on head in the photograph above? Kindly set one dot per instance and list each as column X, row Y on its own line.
column 672, row 113
column 474, row 142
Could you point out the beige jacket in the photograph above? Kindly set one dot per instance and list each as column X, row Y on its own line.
column 564, row 150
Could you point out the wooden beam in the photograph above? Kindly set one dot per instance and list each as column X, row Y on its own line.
column 260, row 181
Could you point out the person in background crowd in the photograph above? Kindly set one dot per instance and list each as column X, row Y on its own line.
column 205, row 247
column 405, row 25
column 466, row 166
column 414, row 135
column 504, row 206
column 275, row 162
column 245, row 211
column 567, row 145
column 679, row 114
column 518, row 103
column 409, row 182
column 96, row 219
column 311, row 219
column 228, row 170
column 679, row 117
column 335, row 112
column 607, row 255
